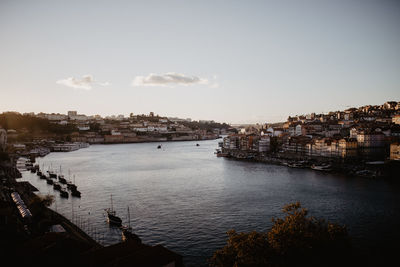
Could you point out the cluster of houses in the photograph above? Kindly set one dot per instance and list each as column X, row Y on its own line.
column 135, row 128
column 368, row 132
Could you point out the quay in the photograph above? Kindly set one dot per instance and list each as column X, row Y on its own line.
column 33, row 234
column 371, row 169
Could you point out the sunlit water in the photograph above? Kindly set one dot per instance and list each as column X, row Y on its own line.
column 183, row 197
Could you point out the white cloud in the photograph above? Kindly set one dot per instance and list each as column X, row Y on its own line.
column 85, row 83
column 167, row 79
column 214, row 85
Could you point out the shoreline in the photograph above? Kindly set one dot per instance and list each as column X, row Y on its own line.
column 366, row 169
column 46, row 236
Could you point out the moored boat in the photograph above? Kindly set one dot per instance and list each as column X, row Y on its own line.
column 322, row 167
column 63, row 193
column 52, row 174
column 112, row 218
column 62, row 179
column 75, row 193
column 71, row 186
column 127, row 234
column 56, row 186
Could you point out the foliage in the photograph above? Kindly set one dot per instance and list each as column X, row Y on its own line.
column 296, row 240
column 44, row 201
column 209, row 126
column 16, row 121
column 306, row 238
column 243, row 249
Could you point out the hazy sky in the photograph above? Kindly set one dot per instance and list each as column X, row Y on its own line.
column 231, row 61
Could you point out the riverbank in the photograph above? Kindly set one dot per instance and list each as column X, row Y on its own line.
column 184, row 197
column 46, row 238
column 369, row 169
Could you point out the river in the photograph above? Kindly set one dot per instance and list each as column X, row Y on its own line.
column 183, row 197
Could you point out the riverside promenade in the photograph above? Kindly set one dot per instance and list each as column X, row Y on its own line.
column 46, row 238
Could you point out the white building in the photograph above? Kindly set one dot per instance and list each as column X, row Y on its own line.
column 264, row 143
column 353, row 132
column 114, row 132
column 299, row 130
column 56, row 117
column 78, row 117
column 84, row 128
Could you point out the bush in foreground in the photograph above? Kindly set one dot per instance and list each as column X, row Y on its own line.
column 296, row 240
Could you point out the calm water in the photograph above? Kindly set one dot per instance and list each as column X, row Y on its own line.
column 185, row 198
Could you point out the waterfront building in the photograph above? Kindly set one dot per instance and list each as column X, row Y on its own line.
column 264, row 144
column 348, row 147
column 297, row 145
column 115, row 132
column 395, row 151
column 299, row 130
column 113, row 138
column 367, row 139
column 292, row 130
column 353, row 132
column 396, row 119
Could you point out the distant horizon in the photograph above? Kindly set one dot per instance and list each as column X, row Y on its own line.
column 235, row 62
column 195, row 119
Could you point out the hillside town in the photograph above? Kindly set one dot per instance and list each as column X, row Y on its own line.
column 44, row 132
column 368, row 134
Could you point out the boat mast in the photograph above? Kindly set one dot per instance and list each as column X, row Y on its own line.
column 111, row 204
column 129, row 219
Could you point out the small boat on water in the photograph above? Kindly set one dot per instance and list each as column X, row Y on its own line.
column 52, row 174
column 322, row 167
column 219, row 153
column 159, row 146
column 197, row 145
column 127, row 234
column 64, row 193
column 56, row 186
column 62, row 179
column 112, row 218
column 75, row 193
column 295, row 165
column 71, row 186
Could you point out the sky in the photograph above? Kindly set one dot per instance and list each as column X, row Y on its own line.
column 228, row 61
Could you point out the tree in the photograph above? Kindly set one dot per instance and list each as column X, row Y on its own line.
column 301, row 239
column 296, row 240
column 244, row 250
